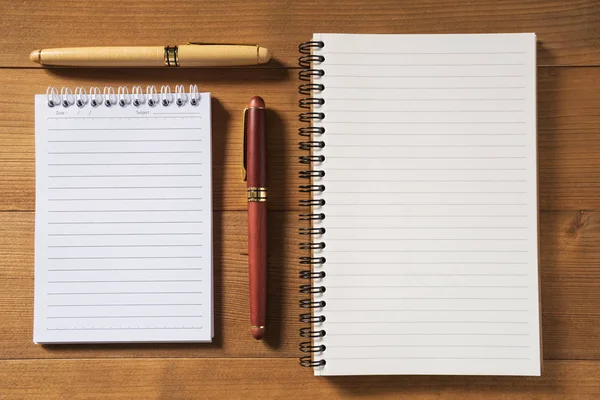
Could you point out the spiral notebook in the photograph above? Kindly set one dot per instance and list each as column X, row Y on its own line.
column 422, row 254
column 123, row 223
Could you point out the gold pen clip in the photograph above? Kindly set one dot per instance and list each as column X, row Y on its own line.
column 244, row 159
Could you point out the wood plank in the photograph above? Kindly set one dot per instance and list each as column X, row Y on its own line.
column 275, row 378
column 570, row 249
column 231, row 308
column 567, row 30
column 569, row 145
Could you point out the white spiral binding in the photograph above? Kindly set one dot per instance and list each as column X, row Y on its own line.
column 66, row 97
column 123, row 97
column 95, row 96
column 81, row 96
column 166, row 97
column 180, row 96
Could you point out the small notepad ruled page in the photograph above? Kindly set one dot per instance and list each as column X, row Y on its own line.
column 431, row 205
column 123, row 248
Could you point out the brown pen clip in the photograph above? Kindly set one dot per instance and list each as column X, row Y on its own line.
column 244, row 155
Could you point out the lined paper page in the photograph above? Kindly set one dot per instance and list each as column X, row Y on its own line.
column 431, row 205
column 123, row 248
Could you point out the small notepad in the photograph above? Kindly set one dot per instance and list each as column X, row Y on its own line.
column 123, row 223
column 428, row 205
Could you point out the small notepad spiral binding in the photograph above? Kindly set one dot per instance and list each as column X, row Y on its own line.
column 309, row 133
column 122, row 97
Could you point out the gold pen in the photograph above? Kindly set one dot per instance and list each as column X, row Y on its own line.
column 189, row 55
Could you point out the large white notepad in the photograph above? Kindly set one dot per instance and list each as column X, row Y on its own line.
column 431, row 204
column 123, row 224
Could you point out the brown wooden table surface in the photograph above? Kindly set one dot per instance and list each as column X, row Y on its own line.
column 235, row 365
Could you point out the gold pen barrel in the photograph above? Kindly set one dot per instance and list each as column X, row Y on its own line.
column 215, row 55
column 152, row 56
column 138, row 56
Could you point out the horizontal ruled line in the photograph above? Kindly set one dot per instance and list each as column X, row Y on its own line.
column 129, row 234
column 145, row 117
column 125, row 140
column 123, row 222
column 410, row 192
column 124, row 152
column 133, row 199
column 329, row 110
column 450, row 346
column 429, row 298
column 428, row 169
column 136, row 164
column 131, row 281
column 429, row 99
column 126, row 245
column 425, row 158
column 426, row 227
column 426, row 76
column 122, row 269
column 436, row 215
column 429, row 322
column 122, row 258
column 361, row 239
column 430, row 286
column 118, row 211
column 425, row 204
column 124, row 176
column 121, row 328
column 419, row 65
column 427, row 310
column 432, row 263
column 113, row 293
column 123, row 187
column 427, row 251
column 124, row 305
column 124, row 129
column 176, row 113
column 125, row 316
column 450, row 146
column 425, row 88
column 418, row 53
column 427, row 134
column 427, row 334
column 427, row 358
column 426, row 122
column 427, row 180
column 434, row 274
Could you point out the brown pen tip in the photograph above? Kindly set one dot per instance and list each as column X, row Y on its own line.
column 35, row 56
column 258, row 332
column 256, row 102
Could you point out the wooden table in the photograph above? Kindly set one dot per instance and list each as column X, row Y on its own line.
column 235, row 365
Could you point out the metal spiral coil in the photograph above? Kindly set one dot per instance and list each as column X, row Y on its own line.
column 311, row 141
column 122, row 97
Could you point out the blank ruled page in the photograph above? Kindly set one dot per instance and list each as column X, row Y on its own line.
column 123, row 248
column 431, row 205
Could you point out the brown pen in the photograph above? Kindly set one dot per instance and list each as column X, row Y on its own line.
column 255, row 161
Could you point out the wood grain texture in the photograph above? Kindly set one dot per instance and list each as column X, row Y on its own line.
column 570, row 249
column 567, row 29
column 569, row 145
column 275, row 379
column 569, row 173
